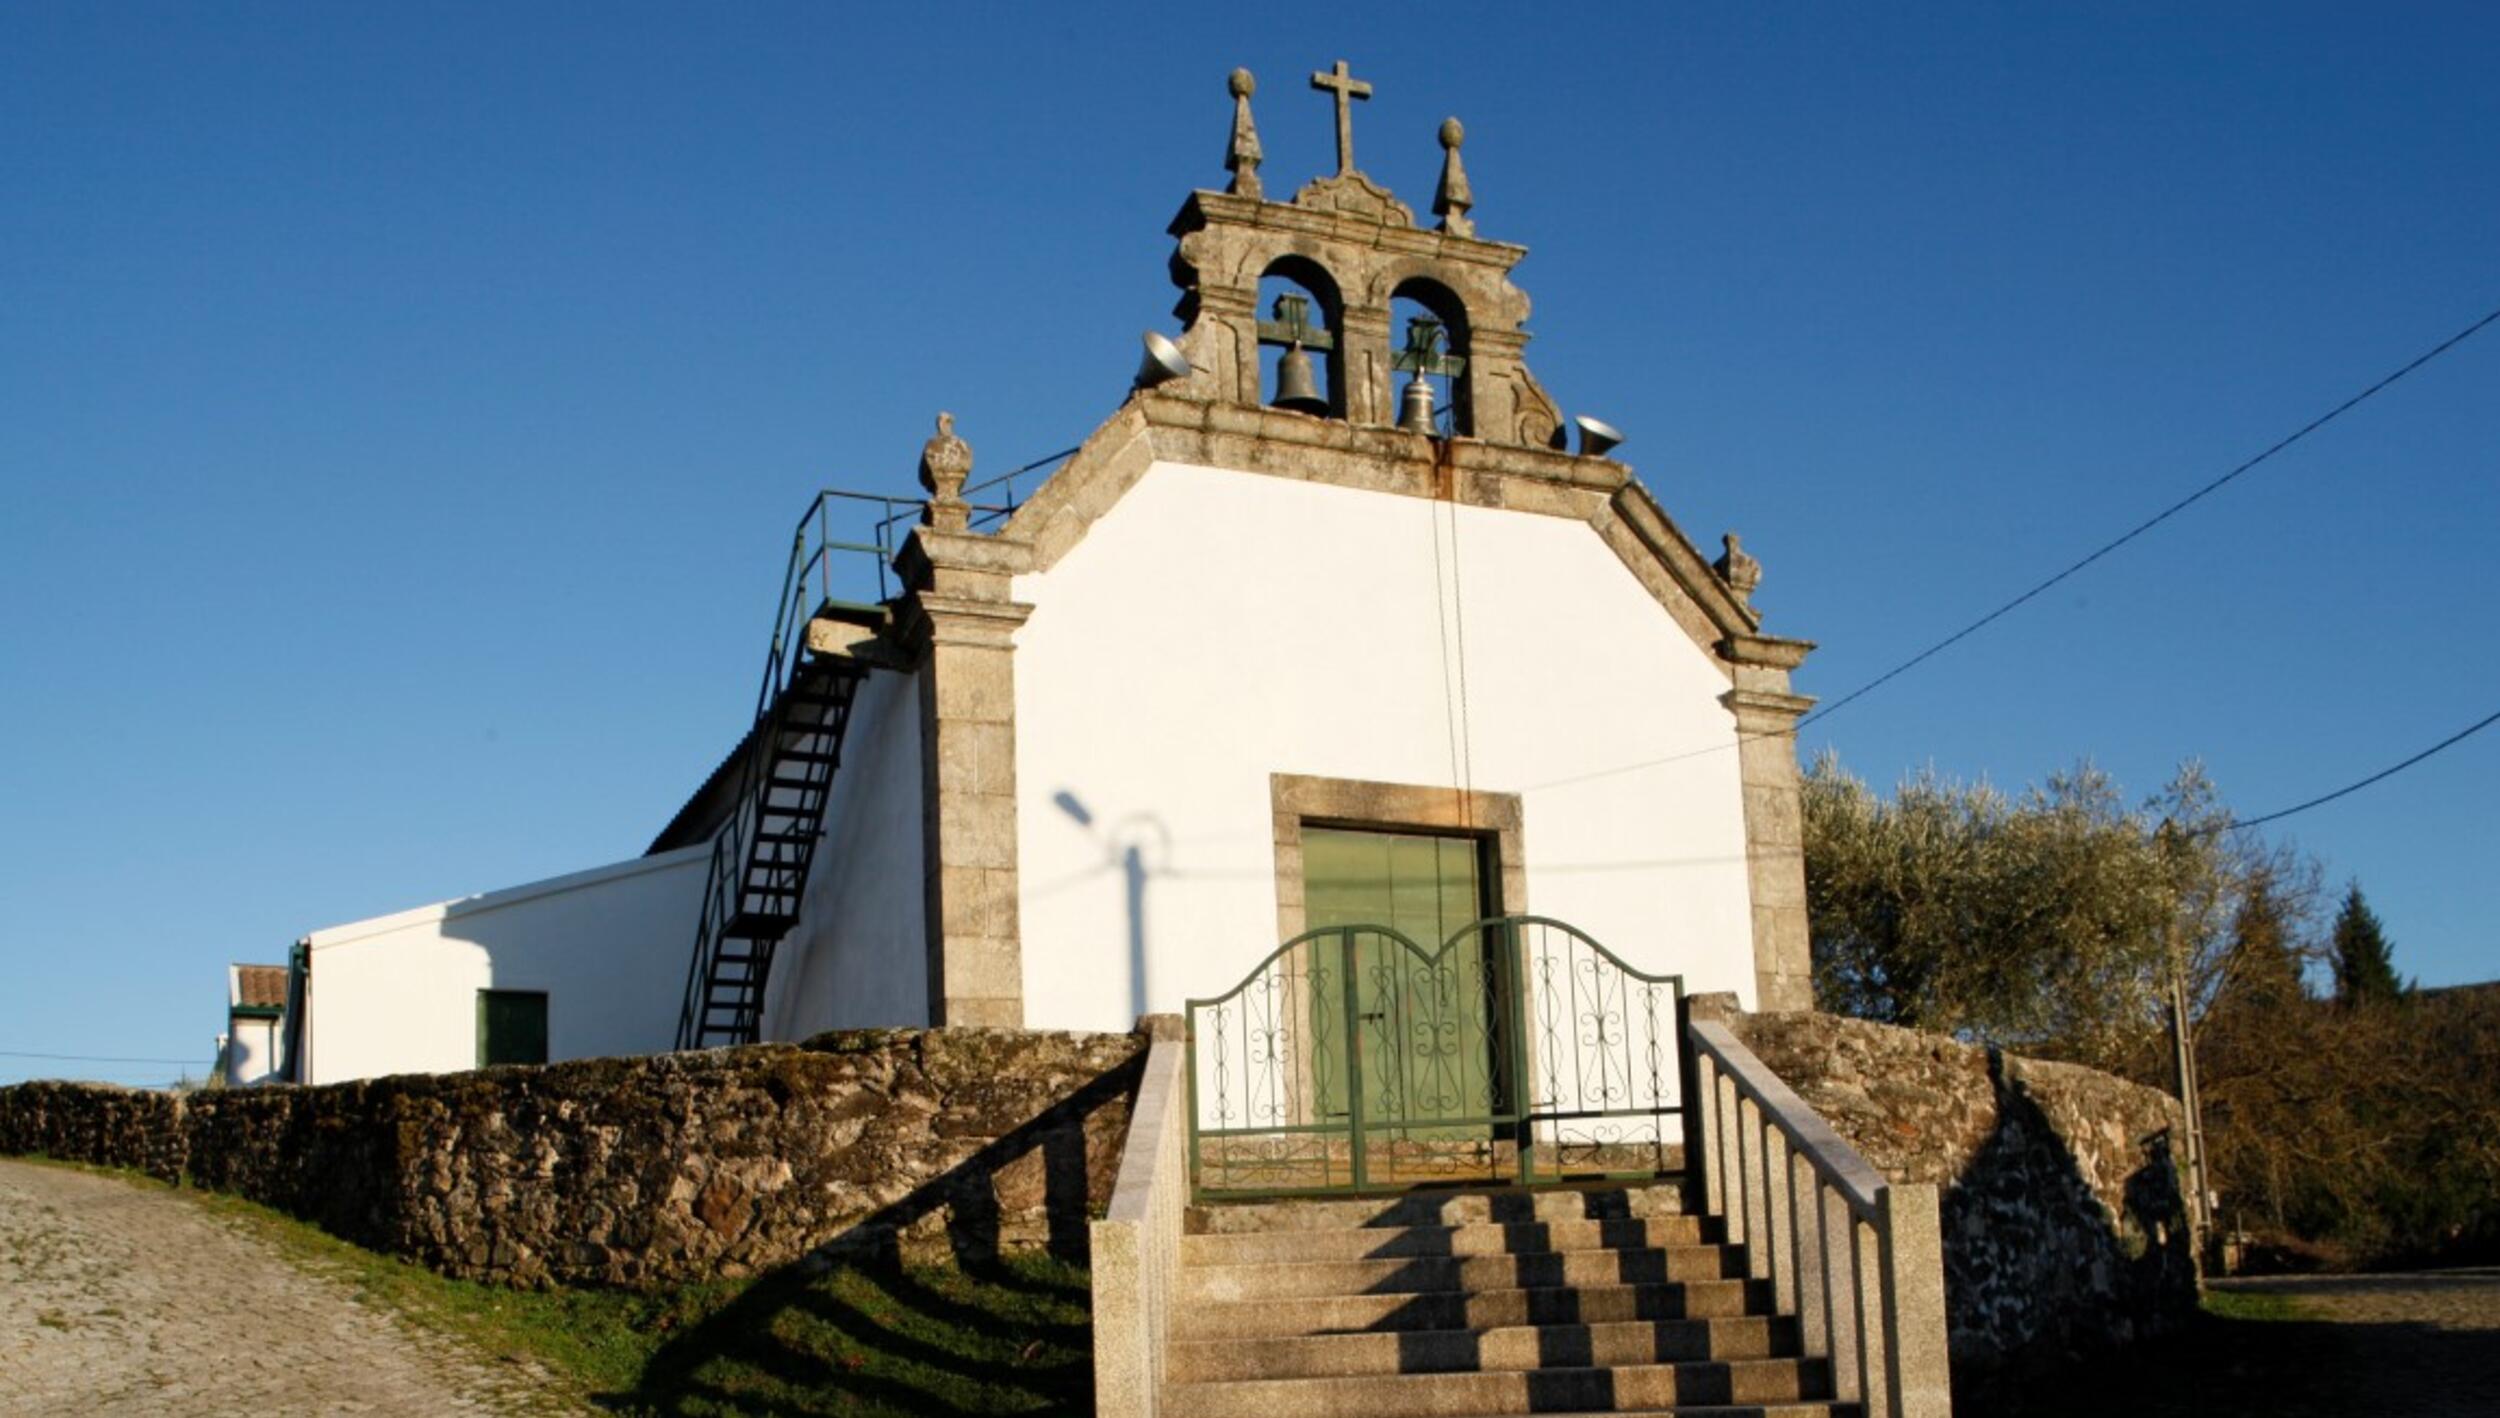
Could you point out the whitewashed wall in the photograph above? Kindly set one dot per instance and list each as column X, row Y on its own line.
column 251, row 1050
column 859, row 957
column 1216, row 626
column 398, row 994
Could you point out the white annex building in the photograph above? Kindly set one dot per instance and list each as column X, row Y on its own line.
column 1336, row 621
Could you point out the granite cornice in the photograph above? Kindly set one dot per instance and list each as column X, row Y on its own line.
column 928, row 618
column 1639, row 510
column 934, row 549
column 1766, row 709
column 1772, row 651
column 945, row 567
column 1204, row 210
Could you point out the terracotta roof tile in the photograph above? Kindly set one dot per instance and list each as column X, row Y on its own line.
column 261, row 985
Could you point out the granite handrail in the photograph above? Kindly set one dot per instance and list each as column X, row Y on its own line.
column 1136, row 1246
column 1858, row 1259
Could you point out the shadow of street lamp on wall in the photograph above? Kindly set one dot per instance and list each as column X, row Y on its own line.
column 1124, row 845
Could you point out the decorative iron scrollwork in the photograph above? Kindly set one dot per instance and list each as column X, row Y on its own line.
column 1353, row 1058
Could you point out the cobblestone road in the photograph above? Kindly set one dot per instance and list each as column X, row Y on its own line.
column 117, row 1298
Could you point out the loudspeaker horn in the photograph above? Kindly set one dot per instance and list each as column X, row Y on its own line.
column 1597, row 436
column 1163, row 363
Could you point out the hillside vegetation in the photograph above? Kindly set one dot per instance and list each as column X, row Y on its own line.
column 2350, row 1120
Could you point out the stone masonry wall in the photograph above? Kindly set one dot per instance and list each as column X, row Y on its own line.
column 648, row 1171
column 95, row 1123
column 2065, row 1227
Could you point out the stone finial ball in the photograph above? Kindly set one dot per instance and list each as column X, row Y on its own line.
column 1451, row 133
column 1242, row 84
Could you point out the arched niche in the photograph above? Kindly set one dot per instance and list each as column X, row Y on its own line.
column 1451, row 370
column 1321, row 306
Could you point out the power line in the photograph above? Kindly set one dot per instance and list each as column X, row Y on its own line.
column 2456, row 738
column 90, row 1058
column 2149, row 523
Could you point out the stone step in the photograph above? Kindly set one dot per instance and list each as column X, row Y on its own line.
column 1595, row 1390
column 1461, row 1310
column 1448, row 1208
column 1434, row 1351
column 1482, row 1239
column 1651, row 1266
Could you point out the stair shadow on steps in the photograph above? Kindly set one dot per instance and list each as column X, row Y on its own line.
column 926, row 1305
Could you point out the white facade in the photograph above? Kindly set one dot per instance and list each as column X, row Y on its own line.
column 1215, row 627
column 399, row 993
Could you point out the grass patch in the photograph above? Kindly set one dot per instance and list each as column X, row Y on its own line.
column 1002, row 1335
column 2254, row 1305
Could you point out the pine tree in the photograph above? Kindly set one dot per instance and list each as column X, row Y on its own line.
column 2365, row 971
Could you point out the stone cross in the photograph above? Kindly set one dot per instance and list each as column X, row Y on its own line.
column 1347, row 88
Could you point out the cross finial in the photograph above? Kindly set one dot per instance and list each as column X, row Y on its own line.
column 1347, row 88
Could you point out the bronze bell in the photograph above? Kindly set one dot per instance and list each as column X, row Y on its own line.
column 1415, row 410
column 1297, row 387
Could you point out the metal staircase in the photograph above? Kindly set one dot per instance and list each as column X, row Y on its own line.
column 761, row 858
column 784, row 771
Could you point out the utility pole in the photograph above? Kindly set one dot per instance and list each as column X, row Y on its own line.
column 2183, row 1048
column 2183, row 1061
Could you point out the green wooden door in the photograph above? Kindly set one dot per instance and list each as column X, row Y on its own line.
column 1427, row 1050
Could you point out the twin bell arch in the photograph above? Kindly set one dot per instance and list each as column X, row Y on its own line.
column 1353, row 251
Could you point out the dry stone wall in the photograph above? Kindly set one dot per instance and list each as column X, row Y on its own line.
column 95, row 1123
column 2065, row 1228
column 647, row 1171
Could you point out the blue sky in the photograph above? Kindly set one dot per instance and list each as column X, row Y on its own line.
column 402, row 409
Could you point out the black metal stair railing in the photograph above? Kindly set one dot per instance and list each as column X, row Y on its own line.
column 763, row 851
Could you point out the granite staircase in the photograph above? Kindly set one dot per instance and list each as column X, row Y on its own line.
column 1450, row 1304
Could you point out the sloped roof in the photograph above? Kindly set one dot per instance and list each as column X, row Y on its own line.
column 258, row 987
column 709, row 805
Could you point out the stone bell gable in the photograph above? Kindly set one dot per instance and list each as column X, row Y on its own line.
column 1355, row 248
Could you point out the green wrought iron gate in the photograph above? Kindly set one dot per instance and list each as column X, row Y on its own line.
column 1354, row 1059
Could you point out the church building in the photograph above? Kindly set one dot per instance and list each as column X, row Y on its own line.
column 1339, row 619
